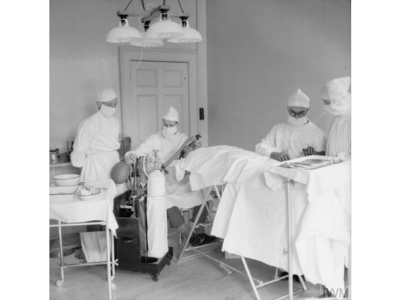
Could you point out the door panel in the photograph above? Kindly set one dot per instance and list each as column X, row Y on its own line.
column 153, row 88
column 147, row 105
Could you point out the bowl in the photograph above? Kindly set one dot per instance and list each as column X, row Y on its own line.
column 94, row 193
column 66, row 179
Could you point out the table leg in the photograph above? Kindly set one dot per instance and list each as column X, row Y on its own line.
column 108, row 263
column 60, row 282
column 349, row 276
column 112, row 256
column 250, row 278
column 290, row 271
column 195, row 223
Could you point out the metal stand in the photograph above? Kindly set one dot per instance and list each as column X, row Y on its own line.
column 252, row 280
column 205, row 248
column 110, row 252
column 290, row 257
column 209, row 247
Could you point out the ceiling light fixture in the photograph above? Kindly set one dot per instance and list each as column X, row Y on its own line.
column 145, row 41
column 153, row 34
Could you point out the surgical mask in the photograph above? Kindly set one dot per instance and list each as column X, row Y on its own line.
column 169, row 131
column 337, row 110
column 297, row 122
column 107, row 111
column 339, row 105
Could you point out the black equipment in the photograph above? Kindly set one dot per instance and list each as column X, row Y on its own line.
column 131, row 240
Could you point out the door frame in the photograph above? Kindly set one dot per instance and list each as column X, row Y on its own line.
column 128, row 54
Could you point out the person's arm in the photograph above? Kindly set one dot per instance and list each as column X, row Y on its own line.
column 346, row 155
column 268, row 147
column 268, row 144
column 146, row 148
column 82, row 143
column 117, row 143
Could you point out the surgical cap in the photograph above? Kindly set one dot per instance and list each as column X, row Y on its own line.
column 337, row 89
column 171, row 115
column 299, row 99
column 106, row 95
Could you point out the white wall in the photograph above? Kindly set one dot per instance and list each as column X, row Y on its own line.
column 261, row 51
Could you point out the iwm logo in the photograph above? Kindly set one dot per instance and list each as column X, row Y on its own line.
column 335, row 293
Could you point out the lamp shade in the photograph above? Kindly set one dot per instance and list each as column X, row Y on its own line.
column 146, row 42
column 164, row 29
column 123, row 33
column 190, row 35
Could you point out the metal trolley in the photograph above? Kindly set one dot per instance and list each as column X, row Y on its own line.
column 107, row 219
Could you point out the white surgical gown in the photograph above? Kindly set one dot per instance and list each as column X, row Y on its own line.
column 297, row 138
column 95, row 148
column 339, row 139
column 178, row 193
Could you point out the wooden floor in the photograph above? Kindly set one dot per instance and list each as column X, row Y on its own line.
column 194, row 278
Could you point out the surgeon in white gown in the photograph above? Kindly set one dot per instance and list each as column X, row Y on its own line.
column 296, row 137
column 179, row 194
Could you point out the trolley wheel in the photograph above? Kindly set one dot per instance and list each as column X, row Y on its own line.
column 154, row 277
column 59, row 282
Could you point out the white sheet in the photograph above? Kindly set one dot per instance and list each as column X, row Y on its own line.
column 252, row 214
column 220, row 164
column 258, row 223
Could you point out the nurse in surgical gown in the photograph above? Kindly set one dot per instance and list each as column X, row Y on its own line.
column 96, row 143
column 337, row 101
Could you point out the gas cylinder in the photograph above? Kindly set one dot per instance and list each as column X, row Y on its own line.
column 157, row 231
column 156, row 184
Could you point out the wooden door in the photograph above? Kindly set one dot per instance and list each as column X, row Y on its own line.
column 153, row 88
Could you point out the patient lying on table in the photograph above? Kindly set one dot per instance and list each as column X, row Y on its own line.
column 252, row 213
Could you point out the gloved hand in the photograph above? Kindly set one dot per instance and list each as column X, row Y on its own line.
column 280, row 156
column 197, row 144
column 311, row 151
column 130, row 158
column 186, row 151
